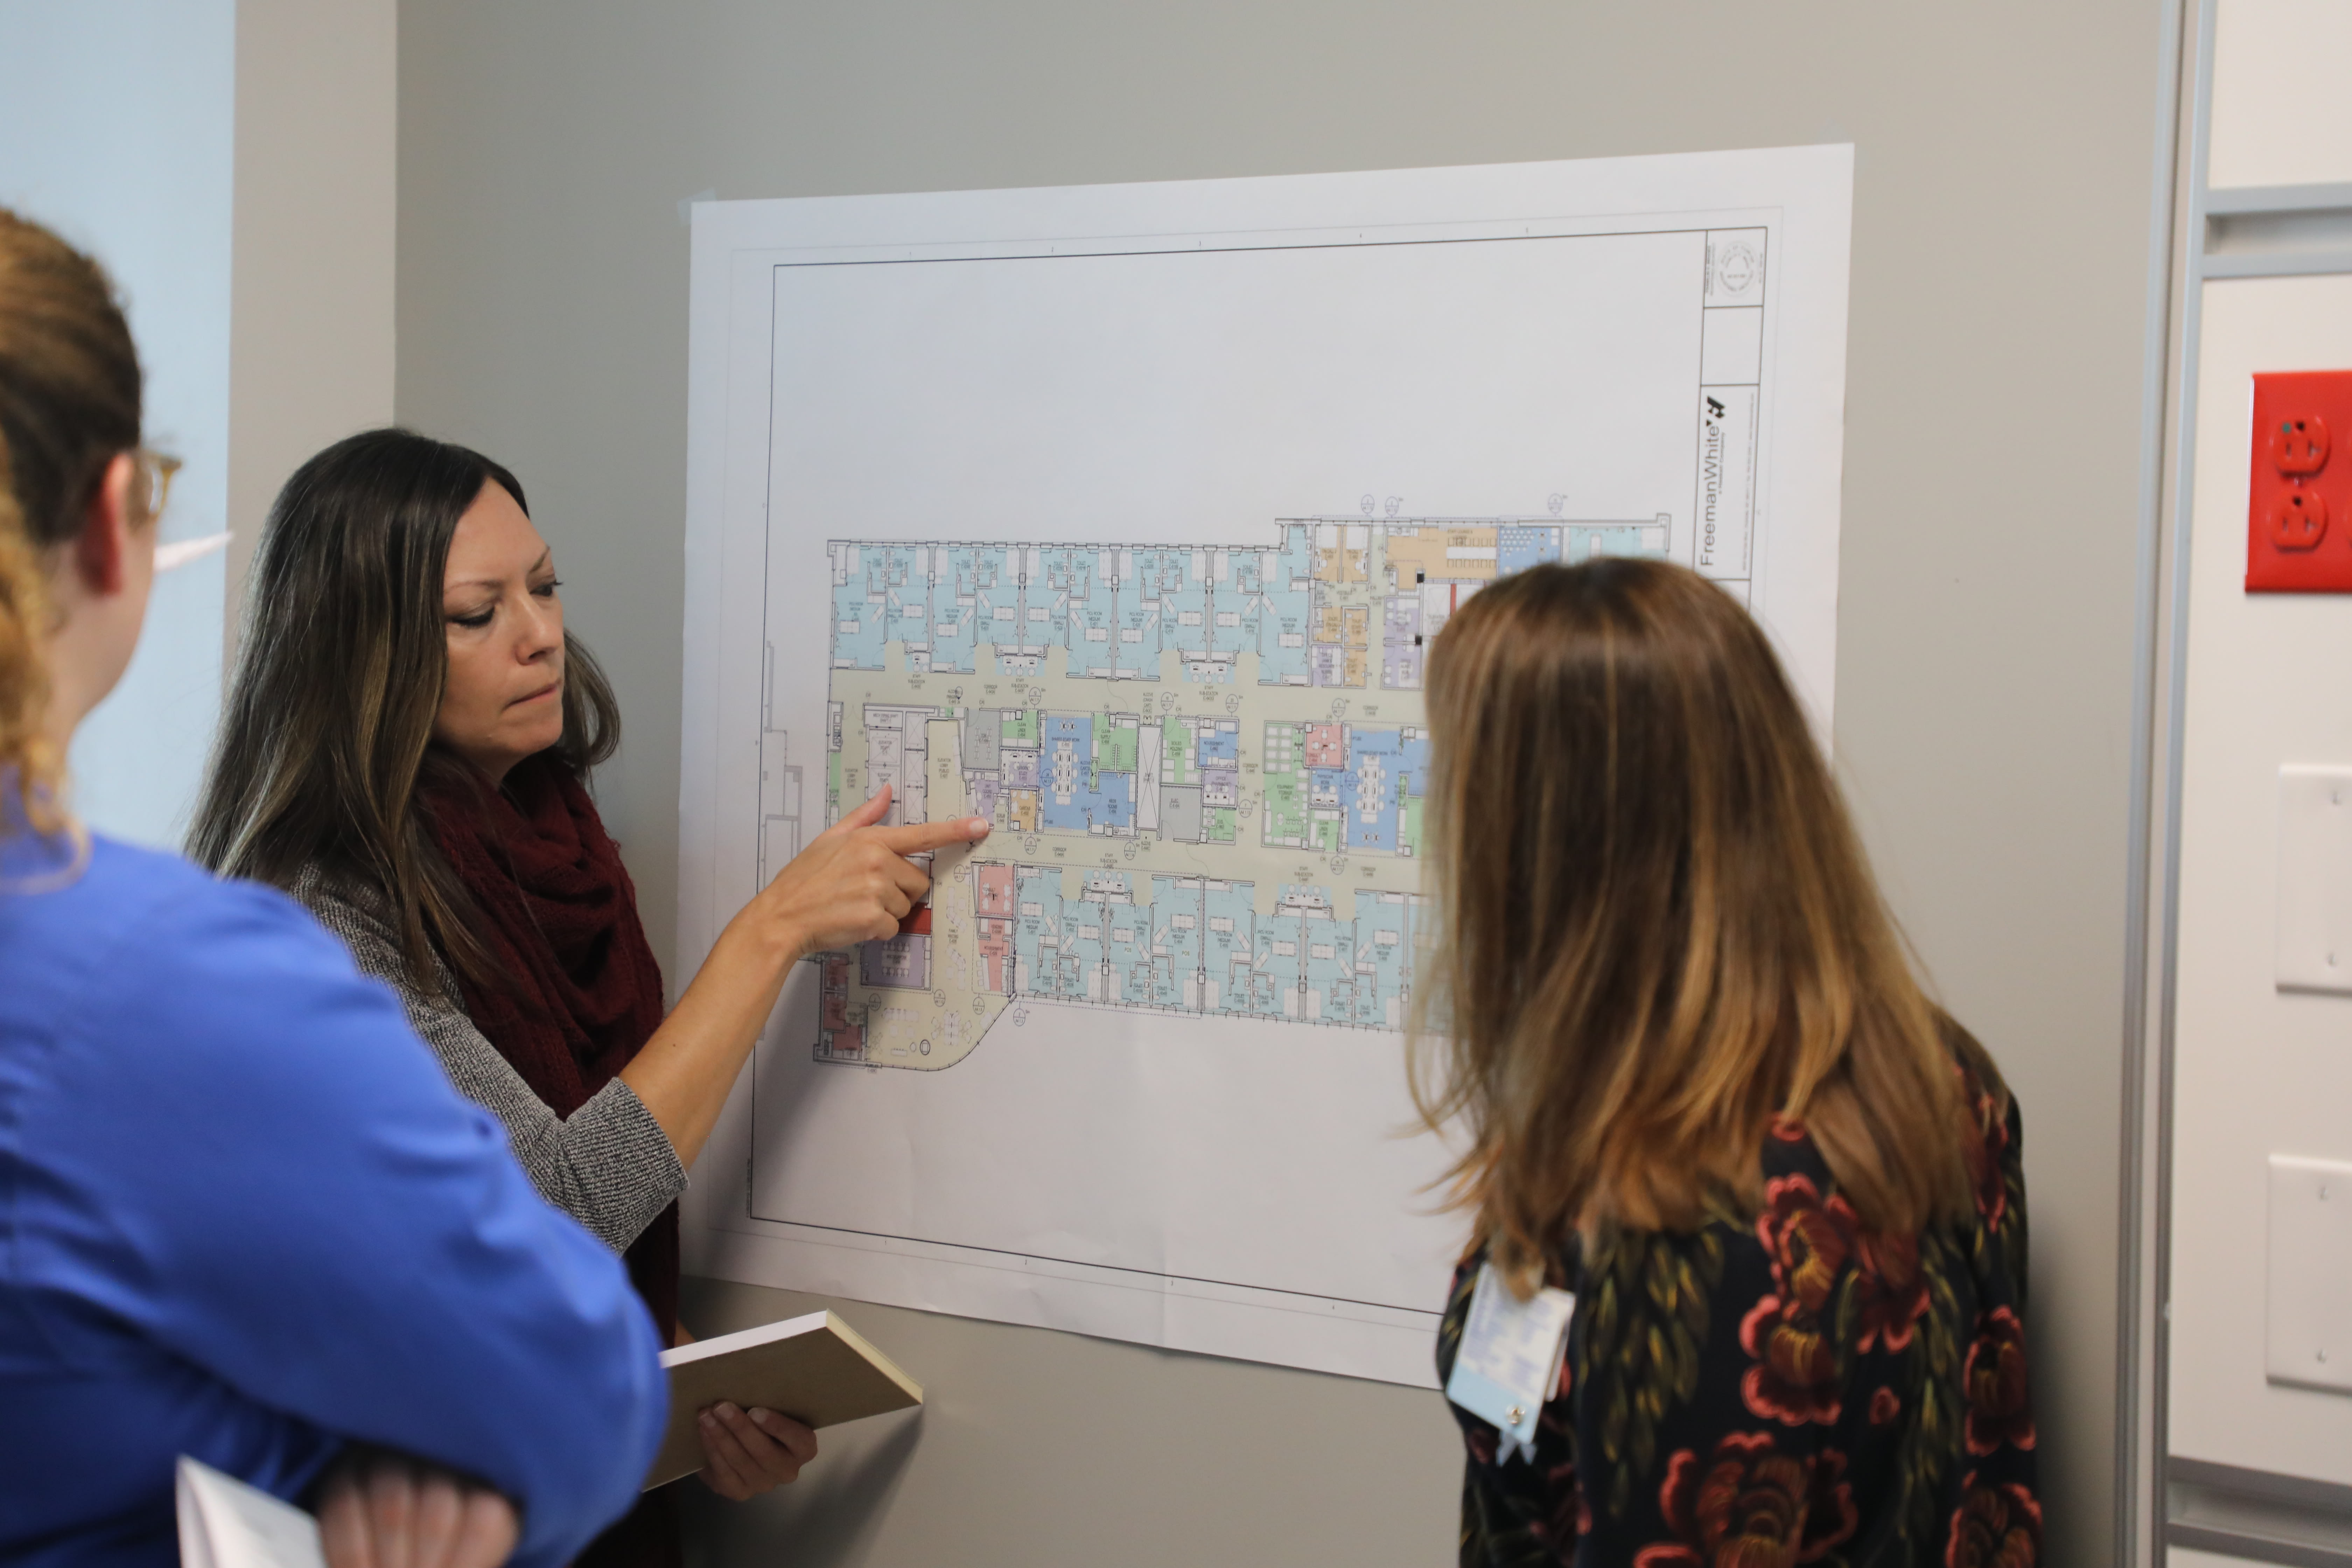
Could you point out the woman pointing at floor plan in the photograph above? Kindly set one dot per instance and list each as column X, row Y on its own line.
column 406, row 749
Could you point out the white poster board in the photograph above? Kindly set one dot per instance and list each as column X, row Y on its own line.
column 1124, row 515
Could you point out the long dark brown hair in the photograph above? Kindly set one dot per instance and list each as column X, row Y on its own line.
column 69, row 404
column 328, row 734
column 1657, row 927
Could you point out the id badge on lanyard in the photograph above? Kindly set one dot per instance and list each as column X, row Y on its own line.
column 1509, row 1365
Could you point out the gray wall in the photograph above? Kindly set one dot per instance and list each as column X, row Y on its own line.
column 2006, row 154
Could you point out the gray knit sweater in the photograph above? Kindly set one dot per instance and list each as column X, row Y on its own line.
column 608, row 1164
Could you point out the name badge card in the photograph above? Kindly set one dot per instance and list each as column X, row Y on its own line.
column 1510, row 1357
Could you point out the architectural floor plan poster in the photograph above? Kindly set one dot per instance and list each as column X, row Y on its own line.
column 1126, row 516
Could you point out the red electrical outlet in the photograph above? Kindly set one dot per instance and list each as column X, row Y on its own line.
column 2299, row 445
column 2298, row 521
column 2291, row 544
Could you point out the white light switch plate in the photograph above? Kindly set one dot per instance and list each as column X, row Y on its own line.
column 2315, row 879
column 2309, row 1337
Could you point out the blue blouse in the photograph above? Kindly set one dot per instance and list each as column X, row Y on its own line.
column 245, row 1216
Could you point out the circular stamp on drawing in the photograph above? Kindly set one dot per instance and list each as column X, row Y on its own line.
column 1736, row 267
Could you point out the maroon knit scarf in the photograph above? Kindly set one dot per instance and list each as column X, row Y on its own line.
column 576, row 993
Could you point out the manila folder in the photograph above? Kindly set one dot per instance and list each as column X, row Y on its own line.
column 815, row 1369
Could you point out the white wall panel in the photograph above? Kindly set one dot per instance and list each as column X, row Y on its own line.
column 2282, row 115
column 2257, row 1070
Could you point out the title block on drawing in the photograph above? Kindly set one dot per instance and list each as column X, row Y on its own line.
column 2315, row 879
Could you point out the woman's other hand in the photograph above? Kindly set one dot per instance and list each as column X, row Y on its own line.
column 746, row 1453
column 386, row 1511
column 853, row 883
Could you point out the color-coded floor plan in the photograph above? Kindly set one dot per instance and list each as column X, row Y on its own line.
column 1130, row 515
column 1205, row 766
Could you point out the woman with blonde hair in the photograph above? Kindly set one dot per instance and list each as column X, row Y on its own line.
column 1701, row 1089
column 247, row 1219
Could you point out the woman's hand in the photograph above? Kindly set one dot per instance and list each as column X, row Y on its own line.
column 745, row 1453
column 853, row 883
column 386, row 1511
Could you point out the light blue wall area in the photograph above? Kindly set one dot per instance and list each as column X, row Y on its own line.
column 117, row 129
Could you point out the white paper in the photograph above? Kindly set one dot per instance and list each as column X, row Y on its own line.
column 743, row 1339
column 224, row 1524
column 1011, row 500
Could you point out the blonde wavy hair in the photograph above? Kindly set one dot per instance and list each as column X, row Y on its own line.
column 31, row 769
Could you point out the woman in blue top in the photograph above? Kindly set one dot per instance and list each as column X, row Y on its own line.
column 242, row 1214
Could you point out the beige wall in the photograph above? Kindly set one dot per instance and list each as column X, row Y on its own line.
column 2006, row 157
column 311, row 296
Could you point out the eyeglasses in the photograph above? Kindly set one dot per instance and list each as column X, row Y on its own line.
column 155, row 470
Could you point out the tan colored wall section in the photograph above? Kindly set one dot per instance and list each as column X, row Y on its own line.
column 2006, row 155
column 311, row 297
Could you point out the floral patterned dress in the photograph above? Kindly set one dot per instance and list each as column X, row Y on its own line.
column 1782, row 1388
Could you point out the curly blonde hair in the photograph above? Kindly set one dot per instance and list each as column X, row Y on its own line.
column 29, row 764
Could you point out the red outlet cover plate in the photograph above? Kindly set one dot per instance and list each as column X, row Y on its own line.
column 2299, row 504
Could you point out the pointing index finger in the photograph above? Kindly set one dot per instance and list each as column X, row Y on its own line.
column 874, row 809
column 919, row 836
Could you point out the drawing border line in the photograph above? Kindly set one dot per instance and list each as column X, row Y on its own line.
column 764, row 1220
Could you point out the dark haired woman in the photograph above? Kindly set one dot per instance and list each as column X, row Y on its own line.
column 405, row 749
column 246, row 1219
column 1704, row 1093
